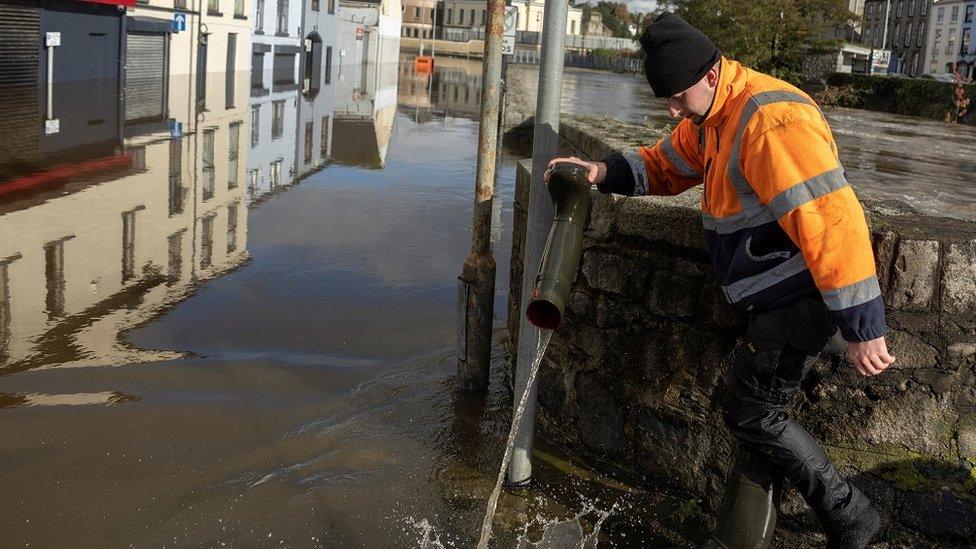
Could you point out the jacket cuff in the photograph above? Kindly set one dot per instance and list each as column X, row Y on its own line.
column 862, row 322
column 619, row 178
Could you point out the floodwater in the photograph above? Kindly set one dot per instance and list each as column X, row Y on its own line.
column 235, row 324
column 925, row 163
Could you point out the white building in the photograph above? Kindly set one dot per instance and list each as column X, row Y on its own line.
column 946, row 35
column 320, row 63
column 472, row 14
column 276, row 45
column 366, row 94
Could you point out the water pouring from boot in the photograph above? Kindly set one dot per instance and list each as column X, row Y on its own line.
column 569, row 189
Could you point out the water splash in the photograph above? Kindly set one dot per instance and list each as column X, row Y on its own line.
column 542, row 341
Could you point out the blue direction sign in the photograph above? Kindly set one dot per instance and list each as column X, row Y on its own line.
column 179, row 21
column 175, row 129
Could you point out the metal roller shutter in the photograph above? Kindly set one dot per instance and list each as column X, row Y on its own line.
column 145, row 73
column 20, row 32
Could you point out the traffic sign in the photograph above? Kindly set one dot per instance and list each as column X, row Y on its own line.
column 179, row 21
column 508, row 37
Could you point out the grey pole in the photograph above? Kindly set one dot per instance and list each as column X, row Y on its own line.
column 476, row 293
column 545, row 142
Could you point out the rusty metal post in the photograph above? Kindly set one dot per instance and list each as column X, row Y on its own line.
column 476, row 288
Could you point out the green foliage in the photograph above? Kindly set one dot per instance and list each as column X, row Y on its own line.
column 689, row 509
column 615, row 17
column 910, row 96
column 773, row 36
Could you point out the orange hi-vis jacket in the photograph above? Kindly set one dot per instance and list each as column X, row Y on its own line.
column 780, row 220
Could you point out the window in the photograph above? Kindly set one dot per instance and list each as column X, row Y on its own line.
column 925, row 6
column 309, row 128
column 179, row 4
column 921, row 34
column 255, row 124
column 939, row 14
column 331, row 6
column 471, row 19
column 277, row 119
column 901, row 8
column 877, row 36
column 324, row 140
column 328, row 64
column 450, row 13
column 208, row 163
column 213, row 6
column 893, row 39
column 416, row 13
column 275, row 174
column 175, row 176
column 969, row 14
column 484, row 17
column 914, row 63
column 572, row 27
column 232, row 227
column 964, row 43
column 206, row 242
column 908, row 34
column 282, row 27
column 252, row 182
column 258, row 15
column 951, row 42
column 239, row 8
column 955, row 14
column 911, row 7
column 174, row 268
column 233, row 152
column 315, row 5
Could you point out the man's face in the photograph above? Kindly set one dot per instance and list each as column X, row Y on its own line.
column 695, row 102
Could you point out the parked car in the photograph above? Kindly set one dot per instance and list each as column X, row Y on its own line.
column 941, row 77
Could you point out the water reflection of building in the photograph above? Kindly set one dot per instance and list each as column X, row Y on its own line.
column 366, row 95
column 453, row 89
column 99, row 243
column 317, row 100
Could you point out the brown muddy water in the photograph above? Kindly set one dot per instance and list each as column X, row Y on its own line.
column 235, row 325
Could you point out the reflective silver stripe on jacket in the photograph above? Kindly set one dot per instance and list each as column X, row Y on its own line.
column 675, row 159
column 748, row 286
column 807, row 191
column 853, row 294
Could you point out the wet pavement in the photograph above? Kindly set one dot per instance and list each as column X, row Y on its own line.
column 237, row 326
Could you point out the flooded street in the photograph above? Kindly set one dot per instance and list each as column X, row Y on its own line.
column 236, row 324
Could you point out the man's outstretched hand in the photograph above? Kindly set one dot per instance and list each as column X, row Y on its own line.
column 597, row 170
column 869, row 357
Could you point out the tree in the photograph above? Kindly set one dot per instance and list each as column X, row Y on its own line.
column 611, row 13
column 773, row 36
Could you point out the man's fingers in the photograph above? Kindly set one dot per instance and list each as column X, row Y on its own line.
column 888, row 358
column 878, row 364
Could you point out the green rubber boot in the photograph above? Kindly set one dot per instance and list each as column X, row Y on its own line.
column 748, row 515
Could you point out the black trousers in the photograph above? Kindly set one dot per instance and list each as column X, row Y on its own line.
column 770, row 362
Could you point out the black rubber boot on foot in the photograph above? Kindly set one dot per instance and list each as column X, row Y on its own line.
column 748, row 515
column 857, row 534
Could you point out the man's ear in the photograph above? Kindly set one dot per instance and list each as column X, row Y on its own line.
column 711, row 77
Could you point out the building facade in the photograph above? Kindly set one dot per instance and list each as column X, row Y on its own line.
column 277, row 43
column 472, row 14
column 418, row 18
column 899, row 26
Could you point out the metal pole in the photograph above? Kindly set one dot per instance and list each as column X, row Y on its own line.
column 545, row 142
column 477, row 280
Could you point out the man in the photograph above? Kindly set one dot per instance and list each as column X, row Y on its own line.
column 791, row 247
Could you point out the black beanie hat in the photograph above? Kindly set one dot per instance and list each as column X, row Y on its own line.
column 677, row 55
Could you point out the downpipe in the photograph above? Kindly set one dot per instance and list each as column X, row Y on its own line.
column 569, row 189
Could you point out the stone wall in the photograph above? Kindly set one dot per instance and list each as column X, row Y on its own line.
column 631, row 381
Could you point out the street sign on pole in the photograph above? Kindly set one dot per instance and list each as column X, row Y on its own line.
column 508, row 36
column 179, row 21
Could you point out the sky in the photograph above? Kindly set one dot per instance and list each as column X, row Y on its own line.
column 641, row 6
